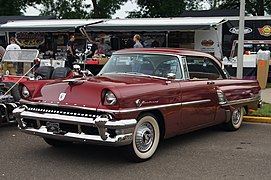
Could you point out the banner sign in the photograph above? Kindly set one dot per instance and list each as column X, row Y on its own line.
column 30, row 39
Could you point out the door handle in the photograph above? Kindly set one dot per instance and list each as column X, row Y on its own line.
column 210, row 82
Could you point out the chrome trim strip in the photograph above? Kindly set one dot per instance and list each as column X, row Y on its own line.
column 122, row 110
column 196, row 102
column 241, row 101
column 153, row 107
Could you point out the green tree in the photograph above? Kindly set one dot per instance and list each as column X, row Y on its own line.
column 105, row 8
column 65, row 9
column 253, row 7
column 15, row 7
column 80, row 9
column 163, row 8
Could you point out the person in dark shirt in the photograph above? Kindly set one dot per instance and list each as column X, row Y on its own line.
column 71, row 52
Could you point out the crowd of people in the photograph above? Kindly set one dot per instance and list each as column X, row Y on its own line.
column 100, row 47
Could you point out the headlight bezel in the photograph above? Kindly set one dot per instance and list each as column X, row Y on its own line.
column 25, row 92
column 109, row 98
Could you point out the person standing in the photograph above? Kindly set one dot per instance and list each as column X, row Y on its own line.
column 13, row 45
column 15, row 48
column 103, row 48
column 71, row 52
column 2, row 52
column 156, row 42
column 137, row 41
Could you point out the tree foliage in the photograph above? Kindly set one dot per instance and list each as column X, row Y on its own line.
column 79, row 9
column 253, row 7
column 66, row 9
column 15, row 7
column 163, row 8
column 105, row 8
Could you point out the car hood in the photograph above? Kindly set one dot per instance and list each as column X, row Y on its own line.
column 87, row 92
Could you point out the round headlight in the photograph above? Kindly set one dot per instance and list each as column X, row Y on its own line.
column 25, row 92
column 109, row 99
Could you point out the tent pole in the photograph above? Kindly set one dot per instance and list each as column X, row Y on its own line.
column 167, row 38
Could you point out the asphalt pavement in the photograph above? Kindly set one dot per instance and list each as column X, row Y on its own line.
column 206, row 154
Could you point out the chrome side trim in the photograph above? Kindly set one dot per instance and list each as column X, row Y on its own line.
column 122, row 110
column 153, row 107
column 241, row 101
column 196, row 102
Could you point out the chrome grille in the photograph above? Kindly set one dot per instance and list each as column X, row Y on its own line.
column 64, row 111
column 66, row 127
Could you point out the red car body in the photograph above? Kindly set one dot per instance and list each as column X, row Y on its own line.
column 144, row 107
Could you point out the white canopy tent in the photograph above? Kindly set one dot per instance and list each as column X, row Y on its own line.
column 140, row 24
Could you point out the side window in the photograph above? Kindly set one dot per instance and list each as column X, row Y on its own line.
column 168, row 66
column 202, row 68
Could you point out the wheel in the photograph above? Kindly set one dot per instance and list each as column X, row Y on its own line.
column 145, row 139
column 56, row 143
column 236, row 119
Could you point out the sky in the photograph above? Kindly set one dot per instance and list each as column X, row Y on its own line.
column 129, row 6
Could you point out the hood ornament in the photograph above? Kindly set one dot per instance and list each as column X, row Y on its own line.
column 61, row 96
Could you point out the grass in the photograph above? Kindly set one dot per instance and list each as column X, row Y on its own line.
column 265, row 111
column 268, row 85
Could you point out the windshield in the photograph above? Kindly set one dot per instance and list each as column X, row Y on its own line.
column 18, row 62
column 143, row 64
column 16, row 68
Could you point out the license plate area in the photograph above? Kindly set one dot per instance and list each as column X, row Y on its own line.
column 53, row 127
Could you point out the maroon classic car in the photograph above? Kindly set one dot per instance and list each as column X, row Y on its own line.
column 140, row 97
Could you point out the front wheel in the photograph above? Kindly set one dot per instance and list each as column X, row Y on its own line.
column 145, row 139
column 236, row 119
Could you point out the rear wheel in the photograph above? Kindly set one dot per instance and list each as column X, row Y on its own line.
column 145, row 139
column 56, row 143
column 236, row 119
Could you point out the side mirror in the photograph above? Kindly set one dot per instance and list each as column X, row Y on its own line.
column 31, row 77
column 171, row 76
column 87, row 73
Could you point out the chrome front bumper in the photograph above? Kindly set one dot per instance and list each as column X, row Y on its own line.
column 122, row 129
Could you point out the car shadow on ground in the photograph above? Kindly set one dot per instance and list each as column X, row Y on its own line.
column 106, row 154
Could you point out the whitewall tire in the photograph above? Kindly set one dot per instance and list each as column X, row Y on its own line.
column 236, row 119
column 145, row 139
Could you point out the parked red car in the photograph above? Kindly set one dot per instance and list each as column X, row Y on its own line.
column 140, row 97
column 20, row 66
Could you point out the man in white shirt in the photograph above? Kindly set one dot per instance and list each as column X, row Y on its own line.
column 13, row 45
column 15, row 50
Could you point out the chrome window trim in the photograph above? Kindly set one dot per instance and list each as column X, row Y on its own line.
column 184, row 63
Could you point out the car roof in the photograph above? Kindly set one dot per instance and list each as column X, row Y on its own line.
column 172, row 51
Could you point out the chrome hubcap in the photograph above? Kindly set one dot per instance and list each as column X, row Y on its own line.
column 144, row 137
column 236, row 116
